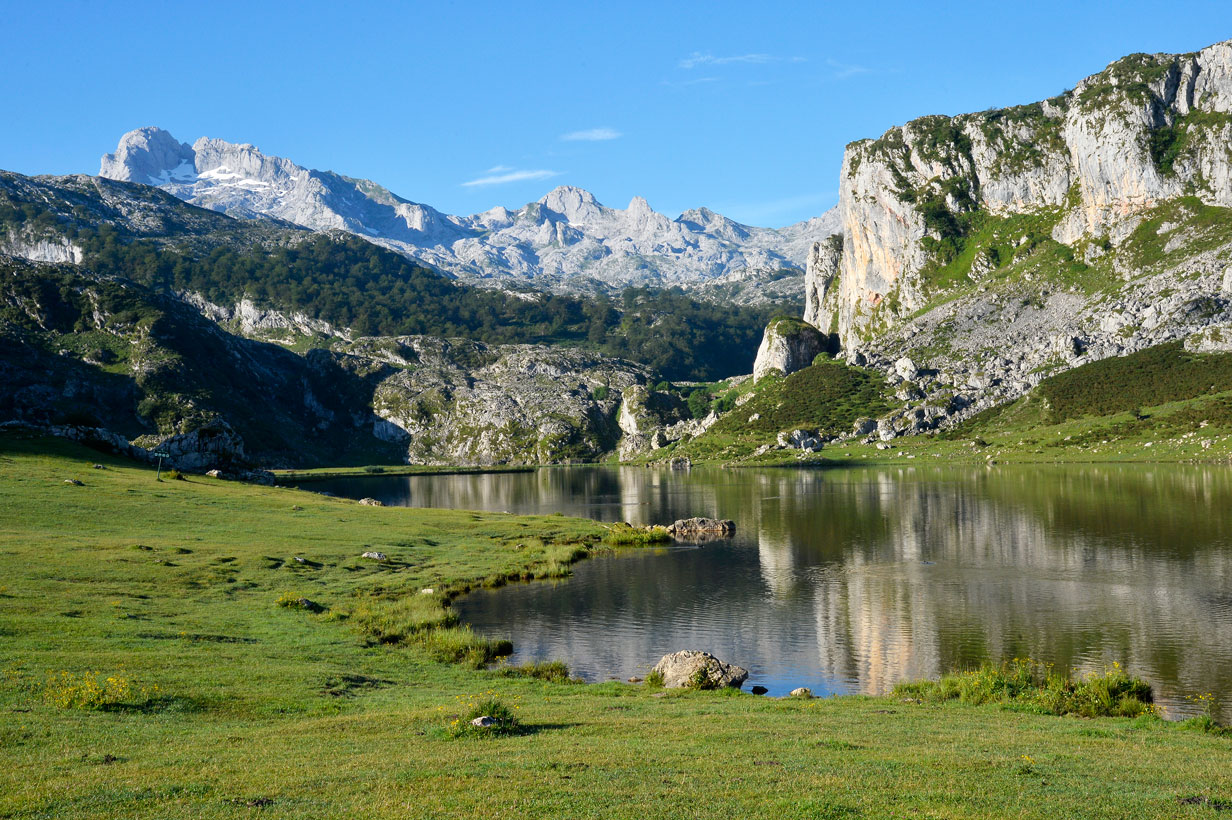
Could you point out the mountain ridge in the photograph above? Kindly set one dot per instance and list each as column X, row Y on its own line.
column 566, row 241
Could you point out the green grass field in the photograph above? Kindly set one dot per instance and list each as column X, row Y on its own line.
column 224, row 703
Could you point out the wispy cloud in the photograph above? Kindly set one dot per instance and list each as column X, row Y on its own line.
column 842, row 71
column 687, row 83
column 592, row 135
column 699, row 59
column 502, row 175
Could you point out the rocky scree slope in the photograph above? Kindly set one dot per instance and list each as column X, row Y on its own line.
column 984, row 252
column 567, row 241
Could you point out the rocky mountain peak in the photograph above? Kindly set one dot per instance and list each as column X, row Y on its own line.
column 577, row 205
column 150, row 156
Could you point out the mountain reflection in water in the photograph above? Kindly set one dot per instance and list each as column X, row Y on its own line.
column 852, row 580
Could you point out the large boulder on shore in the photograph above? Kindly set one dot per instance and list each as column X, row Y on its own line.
column 691, row 668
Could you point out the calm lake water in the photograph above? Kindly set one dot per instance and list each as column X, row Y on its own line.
column 852, row 580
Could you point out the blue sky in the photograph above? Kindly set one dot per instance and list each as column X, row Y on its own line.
column 740, row 107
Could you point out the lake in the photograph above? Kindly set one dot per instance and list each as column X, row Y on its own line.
column 850, row 580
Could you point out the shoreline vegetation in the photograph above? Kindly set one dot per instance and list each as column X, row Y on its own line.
column 204, row 648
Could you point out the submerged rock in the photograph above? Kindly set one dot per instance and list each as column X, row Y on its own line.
column 701, row 670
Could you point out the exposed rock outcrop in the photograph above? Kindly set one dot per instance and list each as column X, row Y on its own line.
column 821, row 285
column 649, row 419
column 787, row 345
column 453, row 401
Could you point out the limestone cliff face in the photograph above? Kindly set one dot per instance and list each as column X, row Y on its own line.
column 1146, row 130
column 821, row 283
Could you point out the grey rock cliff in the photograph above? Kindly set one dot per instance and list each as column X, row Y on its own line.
column 993, row 250
column 1146, row 130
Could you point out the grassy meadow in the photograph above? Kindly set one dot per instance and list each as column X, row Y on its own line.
column 164, row 655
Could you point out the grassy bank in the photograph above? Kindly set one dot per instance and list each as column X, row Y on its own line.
column 224, row 703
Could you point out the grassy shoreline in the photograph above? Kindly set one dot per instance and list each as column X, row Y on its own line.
column 289, row 712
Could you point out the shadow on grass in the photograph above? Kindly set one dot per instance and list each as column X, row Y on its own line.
column 521, row 730
column 163, row 704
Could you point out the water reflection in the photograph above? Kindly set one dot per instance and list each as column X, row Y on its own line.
column 852, row 580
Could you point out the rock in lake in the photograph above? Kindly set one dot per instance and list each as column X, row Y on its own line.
column 691, row 668
column 693, row 527
column 802, row 692
column 759, row 690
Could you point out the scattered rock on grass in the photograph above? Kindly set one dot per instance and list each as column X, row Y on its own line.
column 691, row 668
column 483, row 722
column 375, row 556
column 371, row 502
column 214, row 473
column 74, row 482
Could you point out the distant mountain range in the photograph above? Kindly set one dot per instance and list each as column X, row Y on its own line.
column 565, row 242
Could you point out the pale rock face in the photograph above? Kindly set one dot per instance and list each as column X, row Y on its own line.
column 1086, row 152
column 787, row 346
column 150, row 156
column 820, row 291
column 249, row 320
column 55, row 250
column 567, row 241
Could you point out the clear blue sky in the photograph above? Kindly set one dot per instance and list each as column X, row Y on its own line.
column 740, row 107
